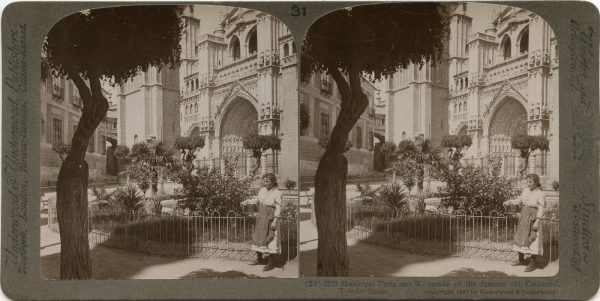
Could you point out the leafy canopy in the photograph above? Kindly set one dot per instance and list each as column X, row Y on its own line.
column 527, row 144
column 375, row 39
column 190, row 143
column 259, row 143
column 456, row 141
column 115, row 42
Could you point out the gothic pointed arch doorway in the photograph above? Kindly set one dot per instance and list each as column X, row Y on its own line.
column 238, row 121
column 509, row 119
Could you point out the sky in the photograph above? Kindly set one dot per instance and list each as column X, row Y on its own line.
column 209, row 16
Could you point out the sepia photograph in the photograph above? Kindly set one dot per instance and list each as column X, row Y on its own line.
column 169, row 145
column 429, row 142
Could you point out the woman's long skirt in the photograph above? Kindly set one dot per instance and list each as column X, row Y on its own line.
column 265, row 239
column 526, row 240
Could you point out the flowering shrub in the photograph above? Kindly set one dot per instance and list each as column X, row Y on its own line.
column 207, row 190
column 474, row 188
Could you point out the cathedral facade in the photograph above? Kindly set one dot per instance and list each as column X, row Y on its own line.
column 504, row 82
column 240, row 78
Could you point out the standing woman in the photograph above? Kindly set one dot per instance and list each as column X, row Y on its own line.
column 528, row 238
column 266, row 239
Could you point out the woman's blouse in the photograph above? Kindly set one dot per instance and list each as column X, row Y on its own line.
column 533, row 198
column 270, row 198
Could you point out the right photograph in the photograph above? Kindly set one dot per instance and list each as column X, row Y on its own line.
column 429, row 142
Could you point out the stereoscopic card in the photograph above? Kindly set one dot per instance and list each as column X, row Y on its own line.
column 300, row 150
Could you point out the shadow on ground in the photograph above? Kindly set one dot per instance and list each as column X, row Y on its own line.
column 212, row 274
column 105, row 265
column 469, row 272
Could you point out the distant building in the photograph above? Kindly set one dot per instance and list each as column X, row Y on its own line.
column 418, row 102
column 504, row 82
column 148, row 107
column 241, row 75
column 321, row 97
column 61, row 110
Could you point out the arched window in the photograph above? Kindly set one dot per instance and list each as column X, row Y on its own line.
column 465, row 106
column 135, row 138
column 460, row 107
column 252, row 46
column 197, row 84
column 187, row 110
column 466, row 82
column 461, row 83
column 286, row 50
column 506, row 47
column 403, row 135
column 293, row 47
column 524, row 41
column 234, row 48
column 196, row 108
column 454, row 108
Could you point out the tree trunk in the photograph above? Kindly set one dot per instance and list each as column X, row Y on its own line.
column 330, row 211
column 256, row 163
column 525, row 164
column 72, row 211
column 71, row 187
column 330, row 179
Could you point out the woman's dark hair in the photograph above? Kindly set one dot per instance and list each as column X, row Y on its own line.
column 271, row 178
column 535, row 178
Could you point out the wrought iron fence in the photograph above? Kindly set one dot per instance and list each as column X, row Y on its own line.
column 205, row 235
column 460, row 233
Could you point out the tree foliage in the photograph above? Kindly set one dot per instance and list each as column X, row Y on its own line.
column 148, row 160
column 375, row 38
column 526, row 144
column 121, row 152
column 189, row 143
column 455, row 144
column 389, row 149
column 115, row 42
column 415, row 157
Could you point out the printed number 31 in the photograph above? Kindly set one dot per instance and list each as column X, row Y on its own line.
column 297, row 11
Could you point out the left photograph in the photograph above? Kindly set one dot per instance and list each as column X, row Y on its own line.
column 169, row 145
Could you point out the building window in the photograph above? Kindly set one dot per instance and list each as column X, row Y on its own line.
column 371, row 140
column 103, row 145
column 234, row 48
column 286, row 50
column 196, row 108
column 524, row 42
column 293, row 47
column 252, row 45
column 135, row 139
column 92, row 145
column 324, row 125
column 506, row 48
column 359, row 137
column 57, row 129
